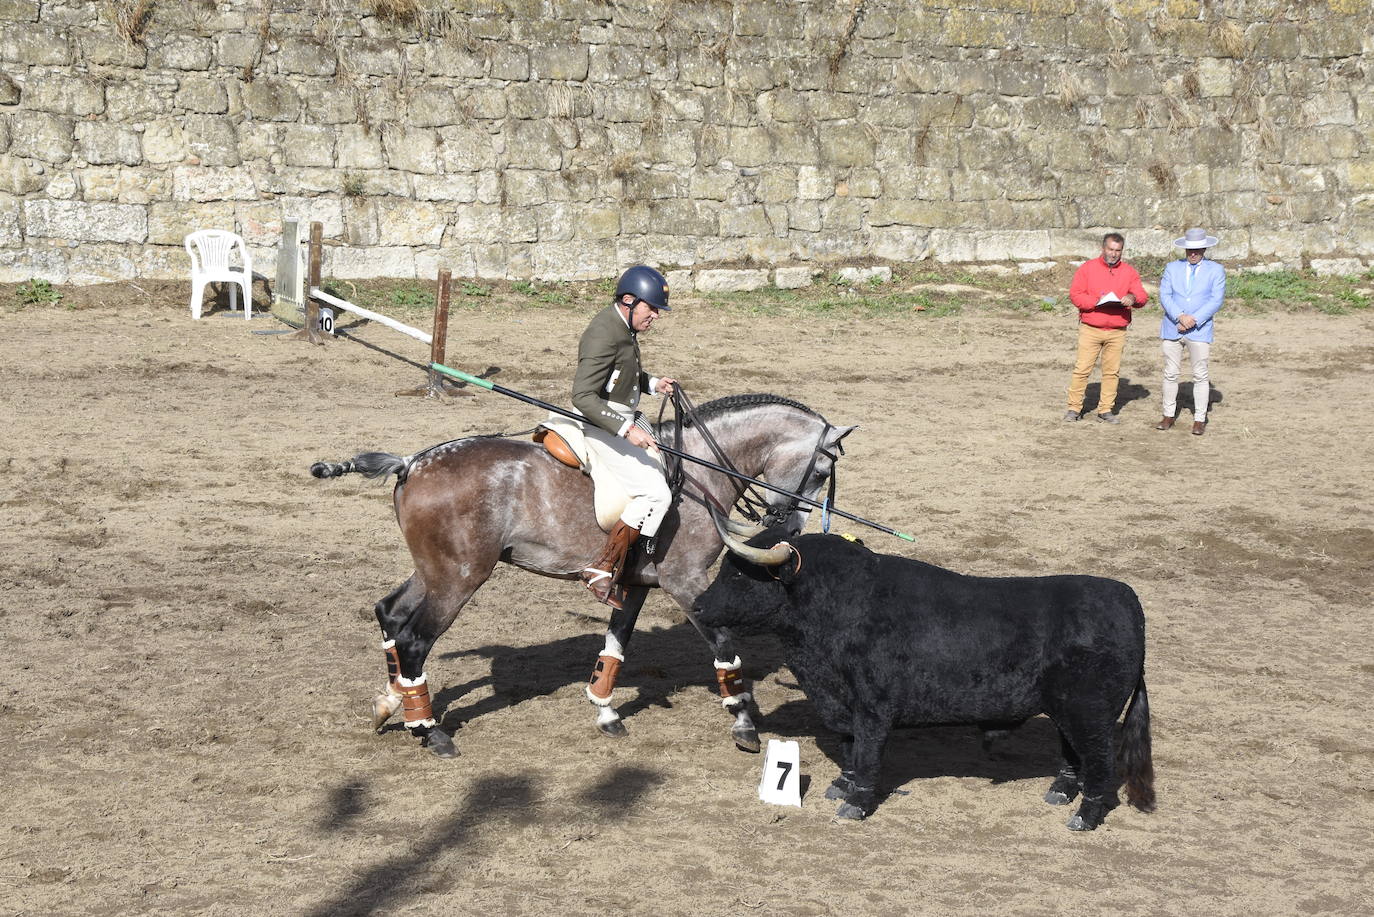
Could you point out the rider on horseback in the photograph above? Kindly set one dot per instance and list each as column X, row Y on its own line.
column 606, row 392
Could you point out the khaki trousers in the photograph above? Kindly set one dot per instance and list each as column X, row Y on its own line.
column 1095, row 343
column 1198, row 354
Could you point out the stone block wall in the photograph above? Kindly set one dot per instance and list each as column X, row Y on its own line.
column 564, row 139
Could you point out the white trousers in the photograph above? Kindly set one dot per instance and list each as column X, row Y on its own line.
column 640, row 472
column 1198, row 353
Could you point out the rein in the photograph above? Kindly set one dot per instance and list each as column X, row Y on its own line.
column 752, row 503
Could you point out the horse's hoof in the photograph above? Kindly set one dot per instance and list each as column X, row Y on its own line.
column 835, row 791
column 1056, row 798
column 849, row 811
column 613, row 729
column 440, row 744
column 384, row 707
column 746, row 738
column 1078, row 824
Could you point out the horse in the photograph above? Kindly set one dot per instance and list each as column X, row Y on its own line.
column 465, row 505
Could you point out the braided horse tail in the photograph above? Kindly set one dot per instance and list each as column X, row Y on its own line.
column 368, row 464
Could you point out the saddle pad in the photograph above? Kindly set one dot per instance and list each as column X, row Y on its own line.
column 610, row 494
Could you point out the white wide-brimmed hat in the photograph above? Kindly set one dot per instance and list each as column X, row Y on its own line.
column 1196, row 238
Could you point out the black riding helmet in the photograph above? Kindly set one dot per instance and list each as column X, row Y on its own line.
column 643, row 282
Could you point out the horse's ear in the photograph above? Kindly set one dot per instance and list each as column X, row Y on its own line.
column 840, row 434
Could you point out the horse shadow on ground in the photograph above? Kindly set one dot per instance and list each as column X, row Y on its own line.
column 659, row 662
column 935, row 751
column 427, row 863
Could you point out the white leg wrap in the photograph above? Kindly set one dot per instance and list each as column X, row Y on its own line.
column 737, row 704
column 613, row 647
column 408, row 683
column 388, row 644
column 606, row 715
column 728, row 666
column 603, row 702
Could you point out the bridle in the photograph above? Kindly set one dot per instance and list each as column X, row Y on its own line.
column 752, row 503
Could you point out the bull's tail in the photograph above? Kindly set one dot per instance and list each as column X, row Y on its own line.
column 368, row 464
column 1133, row 753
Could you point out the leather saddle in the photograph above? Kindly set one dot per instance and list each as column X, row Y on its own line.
column 563, row 439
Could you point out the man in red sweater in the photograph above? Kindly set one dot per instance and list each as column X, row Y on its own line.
column 1105, row 290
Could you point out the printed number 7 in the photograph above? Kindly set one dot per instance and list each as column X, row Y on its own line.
column 786, row 768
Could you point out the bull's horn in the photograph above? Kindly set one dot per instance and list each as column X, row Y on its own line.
column 744, row 529
column 764, row 557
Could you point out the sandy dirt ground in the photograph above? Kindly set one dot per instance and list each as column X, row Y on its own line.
column 190, row 650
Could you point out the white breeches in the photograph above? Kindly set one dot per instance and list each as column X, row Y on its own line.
column 640, row 472
column 1198, row 353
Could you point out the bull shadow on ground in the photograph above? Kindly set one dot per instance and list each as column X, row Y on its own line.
column 933, row 751
column 660, row 662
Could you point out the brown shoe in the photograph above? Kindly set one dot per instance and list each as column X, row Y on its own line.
column 602, row 576
column 1165, row 423
column 1199, row 427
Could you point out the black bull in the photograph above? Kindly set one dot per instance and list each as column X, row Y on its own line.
column 878, row 641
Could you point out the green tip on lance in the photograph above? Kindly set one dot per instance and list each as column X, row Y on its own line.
column 459, row 374
column 905, row 536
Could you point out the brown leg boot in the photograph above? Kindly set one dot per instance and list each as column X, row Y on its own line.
column 602, row 576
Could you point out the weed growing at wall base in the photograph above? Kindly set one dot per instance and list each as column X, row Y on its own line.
column 38, row 293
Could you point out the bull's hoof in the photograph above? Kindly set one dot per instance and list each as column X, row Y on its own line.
column 746, row 738
column 439, row 743
column 1056, row 798
column 612, row 729
column 849, row 811
column 842, row 788
column 1078, row 824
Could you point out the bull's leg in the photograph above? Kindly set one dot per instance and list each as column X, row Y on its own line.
column 1090, row 733
column 844, row 784
column 393, row 612
column 608, row 663
column 865, row 759
column 1064, row 789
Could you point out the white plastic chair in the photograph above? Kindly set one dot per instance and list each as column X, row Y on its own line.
column 210, row 250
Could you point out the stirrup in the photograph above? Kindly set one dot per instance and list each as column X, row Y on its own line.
column 610, row 596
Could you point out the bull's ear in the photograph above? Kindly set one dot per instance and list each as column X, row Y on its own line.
column 787, row 571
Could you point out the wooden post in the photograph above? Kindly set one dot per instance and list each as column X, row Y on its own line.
column 311, row 331
column 439, row 337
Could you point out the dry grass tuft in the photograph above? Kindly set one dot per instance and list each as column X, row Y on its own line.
column 131, row 19
column 1192, row 89
column 1070, row 89
column 851, row 24
column 401, row 12
column 1163, row 176
column 1230, row 40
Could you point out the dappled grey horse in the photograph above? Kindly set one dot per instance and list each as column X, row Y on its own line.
column 467, row 504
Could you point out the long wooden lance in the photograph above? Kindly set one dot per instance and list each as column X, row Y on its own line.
column 520, row 396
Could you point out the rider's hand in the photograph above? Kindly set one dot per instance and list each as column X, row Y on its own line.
column 638, row 437
column 665, row 385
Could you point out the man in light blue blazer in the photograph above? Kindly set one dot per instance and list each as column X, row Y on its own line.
column 1190, row 292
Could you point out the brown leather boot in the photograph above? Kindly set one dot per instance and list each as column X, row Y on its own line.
column 602, row 576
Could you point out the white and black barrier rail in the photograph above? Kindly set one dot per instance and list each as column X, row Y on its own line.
column 299, row 291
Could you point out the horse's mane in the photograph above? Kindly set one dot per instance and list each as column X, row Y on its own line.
column 731, row 403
